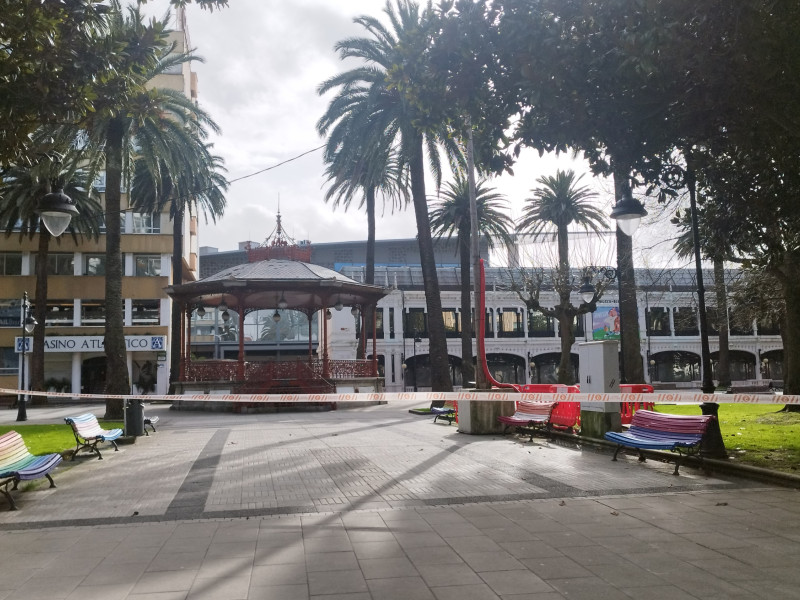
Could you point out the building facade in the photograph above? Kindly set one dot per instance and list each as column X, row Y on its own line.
column 74, row 328
column 522, row 346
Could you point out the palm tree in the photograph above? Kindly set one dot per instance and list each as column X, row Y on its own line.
column 560, row 202
column 394, row 89
column 354, row 170
column 197, row 186
column 20, row 191
column 160, row 127
column 452, row 215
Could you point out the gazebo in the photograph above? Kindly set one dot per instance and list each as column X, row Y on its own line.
column 279, row 284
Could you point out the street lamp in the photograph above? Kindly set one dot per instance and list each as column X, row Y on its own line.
column 628, row 213
column 56, row 210
column 28, row 325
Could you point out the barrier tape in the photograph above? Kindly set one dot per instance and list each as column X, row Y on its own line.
column 427, row 397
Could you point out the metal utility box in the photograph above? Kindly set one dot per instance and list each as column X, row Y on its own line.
column 599, row 374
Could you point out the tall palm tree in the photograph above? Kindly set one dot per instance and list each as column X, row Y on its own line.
column 452, row 215
column 21, row 189
column 394, row 87
column 357, row 170
column 559, row 203
column 159, row 126
column 197, row 186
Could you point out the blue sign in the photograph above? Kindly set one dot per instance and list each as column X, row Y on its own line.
column 157, row 343
column 27, row 344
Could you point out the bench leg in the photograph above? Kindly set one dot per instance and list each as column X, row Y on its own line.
column 642, row 457
column 50, row 479
column 614, row 458
column 114, row 443
column 12, row 504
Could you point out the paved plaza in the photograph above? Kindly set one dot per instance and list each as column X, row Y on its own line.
column 376, row 503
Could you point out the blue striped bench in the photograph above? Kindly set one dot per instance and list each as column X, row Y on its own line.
column 18, row 464
column 88, row 434
column 651, row 430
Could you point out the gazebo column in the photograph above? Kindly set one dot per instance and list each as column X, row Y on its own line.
column 374, row 340
column 325, row 366
column 310, row 346
column 240, row 366
column 187, row 339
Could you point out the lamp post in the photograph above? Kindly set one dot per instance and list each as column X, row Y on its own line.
column 28, row 325
column 628, row 213
column 56, row 210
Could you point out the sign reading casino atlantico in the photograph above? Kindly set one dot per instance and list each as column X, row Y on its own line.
column 94, row 343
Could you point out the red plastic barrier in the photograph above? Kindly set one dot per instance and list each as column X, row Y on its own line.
column 635, row 388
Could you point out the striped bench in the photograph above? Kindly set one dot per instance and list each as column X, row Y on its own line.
column 449, row 411
column 658, row 431
column 150, row 421
column 88, row 434
column 528, row 415
column 18, row 464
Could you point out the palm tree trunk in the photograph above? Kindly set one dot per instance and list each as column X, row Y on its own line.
column 117, row 377
column 723, row 366
column 40, row 314
column 176, row 321
column 369, row 310
column 467, row 368
column 565, row 373
column 440, row 370
column 632, row 370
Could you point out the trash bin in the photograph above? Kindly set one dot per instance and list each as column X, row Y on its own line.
column 134, row 418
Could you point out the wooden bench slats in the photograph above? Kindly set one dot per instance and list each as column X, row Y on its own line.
column 659, row 431
column 18, row 464
column 88, row 434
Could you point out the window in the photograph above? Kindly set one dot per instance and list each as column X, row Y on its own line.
column 9, row 362
column 57, row 264
column 416, row 323
column 147, row 265
column 657, row 321
column 685, row 319
column 712, row 320
column 102, row 226
column 10, row 315
column 510, row 323
column 146, row 312
column 451, row 324
column 540, row 325
column 740, row 324
column 378, row 323
column 59, row 313
column 146, row 223
column 10, row 263
column 391, row 330
column 93, row 312
column 768, row 325
column 94, row 264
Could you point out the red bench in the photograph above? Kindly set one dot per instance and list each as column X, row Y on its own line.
column 658, row 431
column 529, row 415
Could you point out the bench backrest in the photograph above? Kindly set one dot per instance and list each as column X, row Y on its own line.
column 566, row 415
column 85, row 425
column 678, row 424
column 525, row 407
column 12, row 449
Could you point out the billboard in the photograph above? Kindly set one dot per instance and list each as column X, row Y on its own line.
column 605, row 323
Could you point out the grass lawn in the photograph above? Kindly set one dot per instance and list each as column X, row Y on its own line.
column 755, row 434
column 46, row 439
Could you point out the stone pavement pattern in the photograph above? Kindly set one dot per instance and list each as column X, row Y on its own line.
column 374, row 503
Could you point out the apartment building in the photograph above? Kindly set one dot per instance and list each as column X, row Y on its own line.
column 74, row 327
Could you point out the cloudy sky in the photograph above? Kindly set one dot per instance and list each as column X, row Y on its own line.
column 264, row 60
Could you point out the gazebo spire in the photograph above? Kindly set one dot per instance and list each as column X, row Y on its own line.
column 278, row 245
